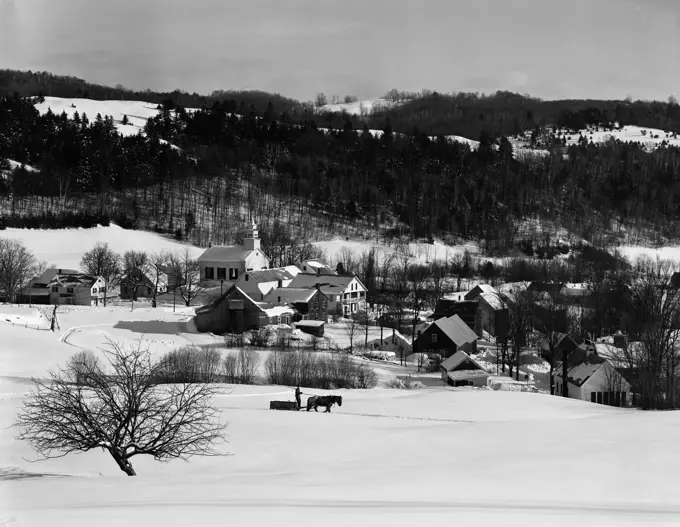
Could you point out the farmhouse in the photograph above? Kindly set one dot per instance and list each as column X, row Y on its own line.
column 236, row 312
column 346, row 294
column 446, row 336
column 309, row 304
column 227, row 263
column 259, row 283
column 65, row 286
column 594, row 379
column 545, row 290
column 462, row 370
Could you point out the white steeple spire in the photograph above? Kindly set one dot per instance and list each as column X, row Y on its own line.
column 252, row 241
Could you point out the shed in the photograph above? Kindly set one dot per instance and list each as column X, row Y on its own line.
column 462, row 370
column 311, row 327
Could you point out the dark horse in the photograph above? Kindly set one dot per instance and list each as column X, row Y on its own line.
column 323, row 400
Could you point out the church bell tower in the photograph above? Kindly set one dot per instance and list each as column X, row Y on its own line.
column 252, row 241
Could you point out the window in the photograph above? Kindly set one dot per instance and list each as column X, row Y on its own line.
column 599, row 397
column 55, row 288
column 94, row 290
column 248, row 276
column 623, row 399
column 354, row 308
column 69, row 290
column 221, row 273
column 605, row 398
column 233, row 273
column 593, row 396
column 434, row 338
column 209, row 273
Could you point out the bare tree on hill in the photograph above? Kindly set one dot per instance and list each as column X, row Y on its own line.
column 119, row 406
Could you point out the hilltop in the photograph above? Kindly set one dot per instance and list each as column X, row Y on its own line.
column 453, row 167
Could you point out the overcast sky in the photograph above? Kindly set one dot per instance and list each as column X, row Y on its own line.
column 548, row 48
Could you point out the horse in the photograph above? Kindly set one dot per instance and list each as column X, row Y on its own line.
column 323, row 400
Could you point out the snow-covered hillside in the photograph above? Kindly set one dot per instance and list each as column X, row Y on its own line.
column 64, row 248
column 359, row 107
column 649, row 138
column 138, row 112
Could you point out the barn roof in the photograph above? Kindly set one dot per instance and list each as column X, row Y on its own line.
column 456, row 330
column 290, row 294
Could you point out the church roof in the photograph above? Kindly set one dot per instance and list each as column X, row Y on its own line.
column 225, row 253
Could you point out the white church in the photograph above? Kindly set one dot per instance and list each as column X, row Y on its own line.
column 227, row 263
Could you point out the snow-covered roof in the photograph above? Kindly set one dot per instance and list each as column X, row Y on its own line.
column 225, row 253
column 467, row 374
column 267, row 275
column 457, row 359
column 290, row 294
column 493, row 300
column 329, row 284
column 456, row 330
column 581, row 372
column 276, row 311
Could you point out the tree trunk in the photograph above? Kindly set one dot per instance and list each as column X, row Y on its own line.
column 124, row 464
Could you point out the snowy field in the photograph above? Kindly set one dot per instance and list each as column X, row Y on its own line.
column 65, row 247
column 427, row 456
column 138, row 112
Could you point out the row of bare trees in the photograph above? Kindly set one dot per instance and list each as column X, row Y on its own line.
column 178, row 271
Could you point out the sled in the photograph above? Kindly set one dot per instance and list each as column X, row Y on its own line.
column 283, row 405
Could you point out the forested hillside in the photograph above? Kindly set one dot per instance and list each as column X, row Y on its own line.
column 204, row 171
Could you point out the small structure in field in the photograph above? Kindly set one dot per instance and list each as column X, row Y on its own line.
column 311, row 327
column 462, row 370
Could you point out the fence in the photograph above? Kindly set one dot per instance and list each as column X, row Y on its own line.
column 27, row 325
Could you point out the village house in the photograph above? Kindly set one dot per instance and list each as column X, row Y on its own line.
column 258, row 284
column 448, row 306
column 549, row 291
column 65, row 286
column 445, row 337
column 462, row 370
column 219, row 264
column 346, row 294
column 140, row 285
column 309, row 304
column 594, row 379
column 236, row 312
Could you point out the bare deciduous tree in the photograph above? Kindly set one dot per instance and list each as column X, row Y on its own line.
column 185, row 274
column 102, row 261
column 352, row 331
column 16, row 267
column 135, row 269
column 158, row 273
column 123, row 411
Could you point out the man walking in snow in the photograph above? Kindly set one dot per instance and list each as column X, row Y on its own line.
column 298, row 399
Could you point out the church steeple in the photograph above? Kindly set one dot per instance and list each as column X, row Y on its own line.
column 252, row 240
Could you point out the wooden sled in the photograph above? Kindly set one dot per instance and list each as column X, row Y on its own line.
column 283, row 405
